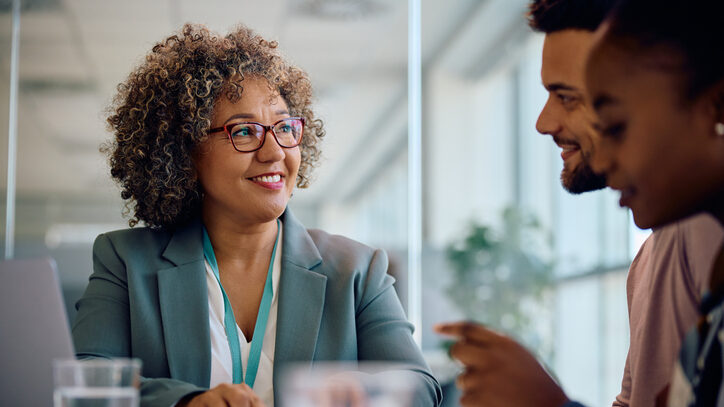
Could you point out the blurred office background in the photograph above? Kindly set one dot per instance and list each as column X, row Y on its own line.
column 481, row 155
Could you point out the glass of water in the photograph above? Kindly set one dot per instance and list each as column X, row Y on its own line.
column 96, row 383
column 344, row 384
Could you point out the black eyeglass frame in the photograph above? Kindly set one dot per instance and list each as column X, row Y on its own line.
column 227, row 129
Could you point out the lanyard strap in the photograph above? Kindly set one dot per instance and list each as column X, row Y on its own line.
column 230, row 322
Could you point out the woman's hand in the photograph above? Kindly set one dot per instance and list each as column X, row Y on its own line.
column 498, row 370
column 343, row 389
column 223, row 395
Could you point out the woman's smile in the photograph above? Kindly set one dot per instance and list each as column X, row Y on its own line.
column 268, row 173
column 270, row 180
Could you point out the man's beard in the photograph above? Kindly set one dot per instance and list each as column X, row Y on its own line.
column 582, row 179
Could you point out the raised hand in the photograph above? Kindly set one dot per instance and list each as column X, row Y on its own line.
column 498, row 370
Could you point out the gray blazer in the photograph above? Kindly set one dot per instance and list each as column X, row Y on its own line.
column 147, row 299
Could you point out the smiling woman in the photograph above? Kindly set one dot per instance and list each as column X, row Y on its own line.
column 656, row 79
column 265, row 172
column 225, row 287
column 169, row 102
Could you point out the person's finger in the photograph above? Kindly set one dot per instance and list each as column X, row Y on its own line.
column 234, row 395
column 216, row 399
column 472, row 380
column 473, row 354
column 347, row 393
column 469, row 330
column 234, row 398
column 252, row 398
column 341, row 395
column 228, row 392
column 249, row 398
column 321, row 397
column 462, row 382
column 256, row 401
column 212, row 399
column 358, row 397
column 475, row 398
column 338, row 397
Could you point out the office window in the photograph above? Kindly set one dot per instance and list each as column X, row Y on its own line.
column 481, row 95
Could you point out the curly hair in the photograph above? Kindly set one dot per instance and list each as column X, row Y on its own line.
column 164, row 109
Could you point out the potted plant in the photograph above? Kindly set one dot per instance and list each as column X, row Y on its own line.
column 502, row 277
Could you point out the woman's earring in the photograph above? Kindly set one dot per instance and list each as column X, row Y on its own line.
column 719, row 129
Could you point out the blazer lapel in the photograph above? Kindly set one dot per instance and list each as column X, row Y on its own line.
column 301, row 297
column 184, row 302
column 184, row 307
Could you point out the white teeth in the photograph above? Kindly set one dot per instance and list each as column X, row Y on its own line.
column 268, row 179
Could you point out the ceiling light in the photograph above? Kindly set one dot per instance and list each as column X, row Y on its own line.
column 341, row 9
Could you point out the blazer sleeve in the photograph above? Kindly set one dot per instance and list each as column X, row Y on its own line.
column 383, row 332
column 102, row 327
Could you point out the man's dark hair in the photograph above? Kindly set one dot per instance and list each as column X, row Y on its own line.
column 549, row 16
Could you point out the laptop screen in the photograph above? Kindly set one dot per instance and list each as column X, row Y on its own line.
column 34, row 331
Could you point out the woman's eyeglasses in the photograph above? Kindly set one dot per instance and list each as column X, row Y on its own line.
column 249, row 136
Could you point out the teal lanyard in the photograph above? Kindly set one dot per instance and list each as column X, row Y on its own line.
column 230, row 322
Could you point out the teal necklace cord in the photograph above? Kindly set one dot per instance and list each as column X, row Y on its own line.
column 230, row 322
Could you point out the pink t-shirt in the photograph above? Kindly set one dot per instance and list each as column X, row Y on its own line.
column 665, row 285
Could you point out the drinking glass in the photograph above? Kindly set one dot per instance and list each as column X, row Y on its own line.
column 96, row 383
column 342, row 384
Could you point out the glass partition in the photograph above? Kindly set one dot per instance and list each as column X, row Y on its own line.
column 486, row 172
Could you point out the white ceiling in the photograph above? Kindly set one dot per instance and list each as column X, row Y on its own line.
column 74, row 52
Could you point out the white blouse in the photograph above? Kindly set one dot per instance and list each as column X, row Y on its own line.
column 221, row 366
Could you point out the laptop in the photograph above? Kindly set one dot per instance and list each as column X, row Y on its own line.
column 33, row 331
